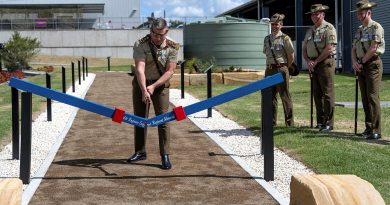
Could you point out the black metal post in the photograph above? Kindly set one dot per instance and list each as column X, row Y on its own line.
column 108, row 62
column 63, row 80
column 356, row 101
column 83, row 68
column 1, row 58
column 79, row 72
column 25, row 155
column 48, row 100
column 15, row 123
column 299, row 31
column 73, row 85
column 86, row 65
column 267, row 133
column 182, row 80
column 209, row 95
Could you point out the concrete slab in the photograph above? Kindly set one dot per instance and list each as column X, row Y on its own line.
column 352, row 104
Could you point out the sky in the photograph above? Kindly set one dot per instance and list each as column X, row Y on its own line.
column 187, row 8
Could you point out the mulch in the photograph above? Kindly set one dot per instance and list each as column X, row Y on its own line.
column 90, row 166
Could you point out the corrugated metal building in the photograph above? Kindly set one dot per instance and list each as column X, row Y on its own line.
column 297, row 22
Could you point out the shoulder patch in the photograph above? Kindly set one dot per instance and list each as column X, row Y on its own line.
column 145, row 39
column 173, row 44
column 375, row 26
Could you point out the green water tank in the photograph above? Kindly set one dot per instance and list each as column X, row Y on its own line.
column 231, row 41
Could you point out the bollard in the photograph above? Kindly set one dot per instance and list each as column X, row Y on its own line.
column 86, row 65
column 48, row 100
column 15, row 123
column 1, row 59
column 209, row 95
column 83, row 68
column 208, row 71
column 108, row 62
column 267, row 132
column 182, row 79
column 79, row 72
column 25, row 155
column 73, row 86
column 63, row 80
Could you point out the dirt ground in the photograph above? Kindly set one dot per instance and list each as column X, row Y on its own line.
column 91, row 168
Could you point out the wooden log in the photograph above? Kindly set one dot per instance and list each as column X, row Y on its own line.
column 332, row 190
column 11, row 191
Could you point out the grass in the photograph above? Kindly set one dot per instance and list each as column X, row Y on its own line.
column 39, row 103
column 339, row 152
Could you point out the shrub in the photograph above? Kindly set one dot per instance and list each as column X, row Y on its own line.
column 18, row 51
column 46, row 68
column 5, row 76
column 199, row 65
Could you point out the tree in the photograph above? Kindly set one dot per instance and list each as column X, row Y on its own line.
column 18, row 51
column 176, row 24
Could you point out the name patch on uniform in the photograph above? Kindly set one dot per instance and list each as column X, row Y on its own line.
column 318, row 38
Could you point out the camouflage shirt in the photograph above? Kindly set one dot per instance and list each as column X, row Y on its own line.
column 166, row 53
column 323, row 35
column 372, row 33
column 281, row 45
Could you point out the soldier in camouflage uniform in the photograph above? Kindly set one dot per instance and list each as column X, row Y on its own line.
column 155, row 58
column 368, row 45
column 280, row 55
column 318, row 51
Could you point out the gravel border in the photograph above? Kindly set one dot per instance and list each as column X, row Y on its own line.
column 45, row 142
column 244, row 147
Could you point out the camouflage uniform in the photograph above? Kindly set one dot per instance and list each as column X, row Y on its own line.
column 166, row 53
column 324, row 71
column 280, row 45
column 371, row 75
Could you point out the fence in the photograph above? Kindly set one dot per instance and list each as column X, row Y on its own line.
column 89, row 23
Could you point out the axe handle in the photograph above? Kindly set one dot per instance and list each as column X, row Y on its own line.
column 147, row 107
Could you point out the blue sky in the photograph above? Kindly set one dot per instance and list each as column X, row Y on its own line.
column 187, row 8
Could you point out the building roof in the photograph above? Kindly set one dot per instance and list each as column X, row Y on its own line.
column 86, row 8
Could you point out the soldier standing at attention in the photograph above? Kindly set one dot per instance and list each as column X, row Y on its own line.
column 280, row 55
column 318, row 51
column 155, row 58
column 368, row 45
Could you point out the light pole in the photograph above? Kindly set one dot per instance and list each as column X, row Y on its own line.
column 1, row 59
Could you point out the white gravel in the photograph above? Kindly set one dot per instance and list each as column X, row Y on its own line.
column 244, row 147
column 44, row 134
column 240, row 143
